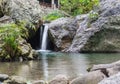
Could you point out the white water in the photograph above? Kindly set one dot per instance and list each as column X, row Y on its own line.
column 44, row 35
column 44, row 38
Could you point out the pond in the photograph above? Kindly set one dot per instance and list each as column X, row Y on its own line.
column 51, row 64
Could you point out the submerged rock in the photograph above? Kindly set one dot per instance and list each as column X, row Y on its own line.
column 59, row 79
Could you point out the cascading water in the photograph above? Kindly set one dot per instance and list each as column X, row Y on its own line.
column 44, row 37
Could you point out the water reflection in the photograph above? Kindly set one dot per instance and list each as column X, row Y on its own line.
column 51, row 64
column 45, row 66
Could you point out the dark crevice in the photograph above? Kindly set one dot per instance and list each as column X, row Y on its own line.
column 36, row 40
column 104, row 71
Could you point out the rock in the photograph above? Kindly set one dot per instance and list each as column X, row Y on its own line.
column 35, row 54
column 59, row 79
column 62, row 32
column 24, row 47
column 115, row 79
column 13, row 45
column 15, row 80
column 21, row 10
column 90, row 78
column 101, row 35
column 111, row 65
column 111, row 69
column 5, row 19
column 39, row 82
column 3, row 77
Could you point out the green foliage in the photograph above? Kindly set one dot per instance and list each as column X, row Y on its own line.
column 9, row 34
column 54, row 15
column 75, row 7
column 93, row 16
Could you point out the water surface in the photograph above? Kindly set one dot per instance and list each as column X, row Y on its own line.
column 52, row 63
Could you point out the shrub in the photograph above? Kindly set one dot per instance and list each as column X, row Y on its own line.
column 9, row 34
column 54, row 15
column 75, row 7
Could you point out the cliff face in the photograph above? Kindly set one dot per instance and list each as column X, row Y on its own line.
column 98, row 31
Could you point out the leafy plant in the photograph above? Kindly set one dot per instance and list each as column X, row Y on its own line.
column 75, row 7
column 9, row 34
column 54, row 15
column 93, row 16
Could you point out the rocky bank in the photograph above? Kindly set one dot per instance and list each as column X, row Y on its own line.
column 98, row 31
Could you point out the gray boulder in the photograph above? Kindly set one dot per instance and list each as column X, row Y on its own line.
column 89, row 34
column 115, row 79
column 3, row 77
column 90, row 78
column 39, row 82
column 102, row 34
column 15, row 80
column 111, row 69
column 111, row 65
column 27, row 10
column 63, row 30
column 59, row 79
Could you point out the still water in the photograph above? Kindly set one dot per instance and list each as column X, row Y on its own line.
column 51, row 64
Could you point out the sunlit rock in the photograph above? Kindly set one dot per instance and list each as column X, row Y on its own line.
column 15, row 80
column 59, row 79
column 39, row 82
column 115, row 79
column 3, row 77
column 90, row 78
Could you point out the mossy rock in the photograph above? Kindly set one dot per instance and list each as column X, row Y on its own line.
column 13, row 44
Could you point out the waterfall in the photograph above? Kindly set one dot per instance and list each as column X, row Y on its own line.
column 44, row 37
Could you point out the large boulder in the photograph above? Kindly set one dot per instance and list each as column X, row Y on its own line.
column 109, row 69
column 3, row 77
column 115, row 79
column 99, row 66
column 13, row 46
column 102, row 34
column 15, row 80
column 59, row 79
column 97, row 31
column 63, row 30
column 38, row 82
column 28, row 10
column 90, row 78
